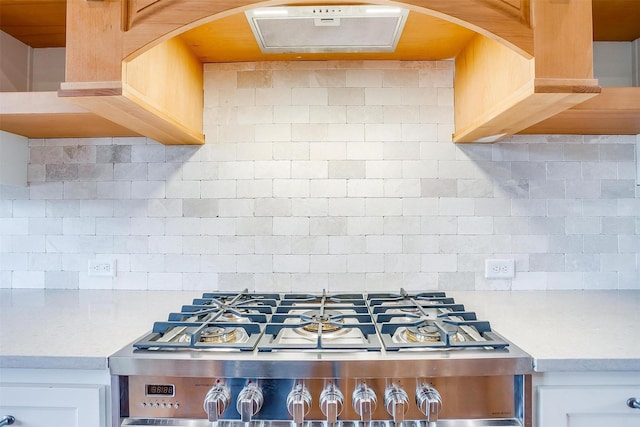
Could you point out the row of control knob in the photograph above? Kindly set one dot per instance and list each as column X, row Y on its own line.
column 363, row 399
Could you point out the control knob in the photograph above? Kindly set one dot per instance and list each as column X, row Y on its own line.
column 429, row 401
column 331, row 402
column 250, row 400
column 396, row 401
column 364, row 401
column 217, row 400
column 299, row 402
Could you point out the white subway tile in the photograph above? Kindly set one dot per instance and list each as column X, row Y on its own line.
column 346, row 96
column 338, row 132
column 311, row 132
column 383, row 244
column 403, row 225
column 327, row 151
column 309, row 282
column 406, row 187
column 364, row 78
column 365, row 263
column 165, row 244
column 272, row 244
column 272, row 169
column 291, row 113
column 328, row 188
column 290, row 226
column 290, row 187
column 271, row 282
column 365, row 150
column 236, row 170
column 402, row 263
column 235, row 207
column 345, row 245
column 309, row 96
column 347, row 207
column 218, row 263
column 401, row 150
column 606, row 280
column 182, row 263
column 382, row 96
column 369, row 225
column 311, row 207
column 273, row 207
column 384, row 169
column 27, row 280
column 365, row 188
column 182, row 226
column 131, row 244
column 365, row 114
column 475, row 225
column 435, row 263
column 316, row 169
column 251, row 226
column 164, row 281
column 255, row 263
column 236, row 245
column 254, row 188
column 291, row 151
column 383, row 132
column 290, row 263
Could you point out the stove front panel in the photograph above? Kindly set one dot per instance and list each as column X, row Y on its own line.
column 182, row 397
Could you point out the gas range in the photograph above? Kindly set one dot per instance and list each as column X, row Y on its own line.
column 269, row 358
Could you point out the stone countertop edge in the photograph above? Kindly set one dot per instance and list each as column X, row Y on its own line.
column 586, row 365
column 54, row 362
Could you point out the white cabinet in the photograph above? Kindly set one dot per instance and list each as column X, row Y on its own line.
column 45, row 398
column 587, row 399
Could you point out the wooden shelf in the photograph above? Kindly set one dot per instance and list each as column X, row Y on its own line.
column 615, row 111
column 45, row 115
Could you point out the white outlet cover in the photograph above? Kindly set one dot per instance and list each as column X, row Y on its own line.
column 102, row 268
column 499, row 269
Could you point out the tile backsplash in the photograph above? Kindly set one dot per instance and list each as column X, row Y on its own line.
column 325, row 175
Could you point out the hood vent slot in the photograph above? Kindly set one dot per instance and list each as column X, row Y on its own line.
column 318, row 29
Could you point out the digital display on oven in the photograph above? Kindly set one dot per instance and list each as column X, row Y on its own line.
column 160, row 390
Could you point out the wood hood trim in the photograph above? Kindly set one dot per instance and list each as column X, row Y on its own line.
column 524, row 33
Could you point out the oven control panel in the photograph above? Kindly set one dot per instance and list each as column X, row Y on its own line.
column 321, row 399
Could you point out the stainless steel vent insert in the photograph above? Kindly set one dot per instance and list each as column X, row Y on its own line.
column 315, row 29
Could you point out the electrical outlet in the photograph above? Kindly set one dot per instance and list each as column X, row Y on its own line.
column 102, row 268
column 499, row 269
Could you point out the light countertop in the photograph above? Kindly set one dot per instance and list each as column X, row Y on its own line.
column 562, row 330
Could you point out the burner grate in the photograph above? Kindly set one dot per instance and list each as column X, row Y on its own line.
column 189, row 336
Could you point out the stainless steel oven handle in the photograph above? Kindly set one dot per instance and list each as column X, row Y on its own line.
column 633, row 403
column 7, row 420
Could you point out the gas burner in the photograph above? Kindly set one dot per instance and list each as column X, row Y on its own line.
column 217, row 334
column 428, row 332
column 328, row 321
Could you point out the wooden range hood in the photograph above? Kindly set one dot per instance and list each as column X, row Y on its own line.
column 529, row 68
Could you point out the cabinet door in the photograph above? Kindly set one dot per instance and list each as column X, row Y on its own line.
column 55, row 405
column 587, row 406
